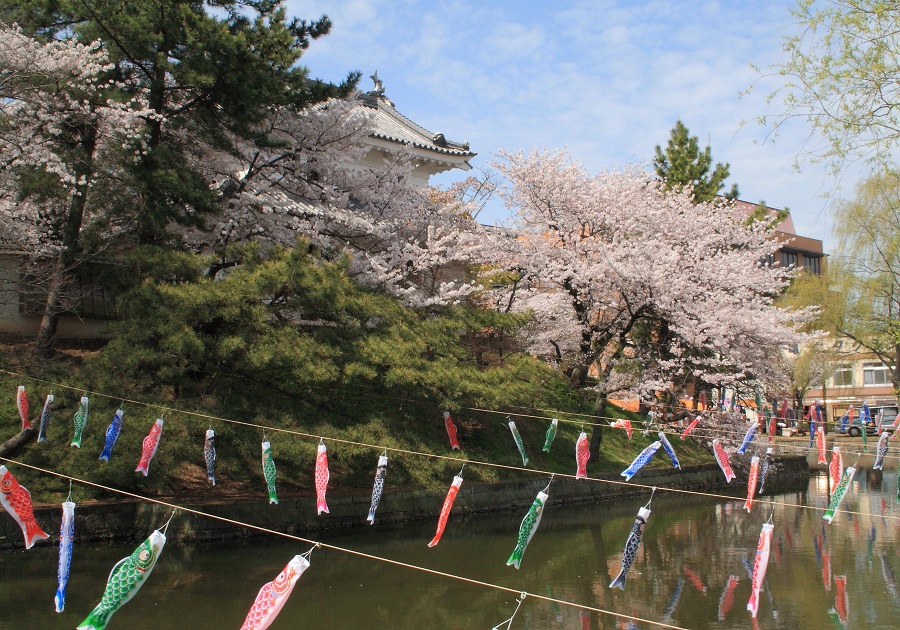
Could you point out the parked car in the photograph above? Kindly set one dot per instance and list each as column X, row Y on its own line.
column 890, row 415
column 855, row 428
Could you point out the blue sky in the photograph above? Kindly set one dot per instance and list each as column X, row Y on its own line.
column 604, row 79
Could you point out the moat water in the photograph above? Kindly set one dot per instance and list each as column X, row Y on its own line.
column 692, row 571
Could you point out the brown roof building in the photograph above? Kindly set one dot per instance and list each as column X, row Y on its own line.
column 800, row 251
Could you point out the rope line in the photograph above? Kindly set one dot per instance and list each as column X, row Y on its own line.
column 456, row 460
column 638, row 423
column 582, row 414
column 346, row 550
column 583, row 423
column 731, row 433
column 699, row 431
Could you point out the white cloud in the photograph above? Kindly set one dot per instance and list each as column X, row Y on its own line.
column 605, row 79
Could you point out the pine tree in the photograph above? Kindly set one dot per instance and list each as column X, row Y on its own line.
column 683, row 164
column 770, row 216
column 208, row 78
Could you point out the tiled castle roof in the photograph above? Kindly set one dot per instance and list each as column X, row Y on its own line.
column 390, row 125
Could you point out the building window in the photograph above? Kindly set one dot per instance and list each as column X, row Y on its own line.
column 842, row 377
column 876, row 374
column 813, row 264
column 788, row 259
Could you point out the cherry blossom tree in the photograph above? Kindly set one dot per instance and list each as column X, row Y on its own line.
column 303, row 180
column 414, row 243
column 635, row 285
column 203, row 73
column 64, row 131
column 208, row 71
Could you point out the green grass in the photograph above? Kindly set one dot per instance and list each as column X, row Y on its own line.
column 383, row 419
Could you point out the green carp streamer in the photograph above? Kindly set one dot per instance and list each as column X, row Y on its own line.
column 125, row 580
column 519, row 443
column 839, row 493
column 551, row 433
column 268, row 463
column 527, row 528
column 80, row 420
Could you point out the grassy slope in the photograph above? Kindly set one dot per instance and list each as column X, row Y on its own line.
column 178, row 468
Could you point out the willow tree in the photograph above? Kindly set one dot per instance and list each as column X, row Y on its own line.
column 840, row 74
column 867, row 270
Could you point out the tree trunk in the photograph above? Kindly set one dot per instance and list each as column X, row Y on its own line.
column 895, row 373
column 578, row 376
column 597, row 431
column 14, row 444
column 52, row 308
column 798, row 397
column 71, row 242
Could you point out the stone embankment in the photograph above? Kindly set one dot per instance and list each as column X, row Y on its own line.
column 131, row 520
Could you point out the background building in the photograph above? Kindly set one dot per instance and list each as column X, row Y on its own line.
column 856, row 377
column 801, row 251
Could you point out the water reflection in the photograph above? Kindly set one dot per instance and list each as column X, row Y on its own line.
column 692, row 570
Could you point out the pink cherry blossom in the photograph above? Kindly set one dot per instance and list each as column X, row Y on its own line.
column 636, row 282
